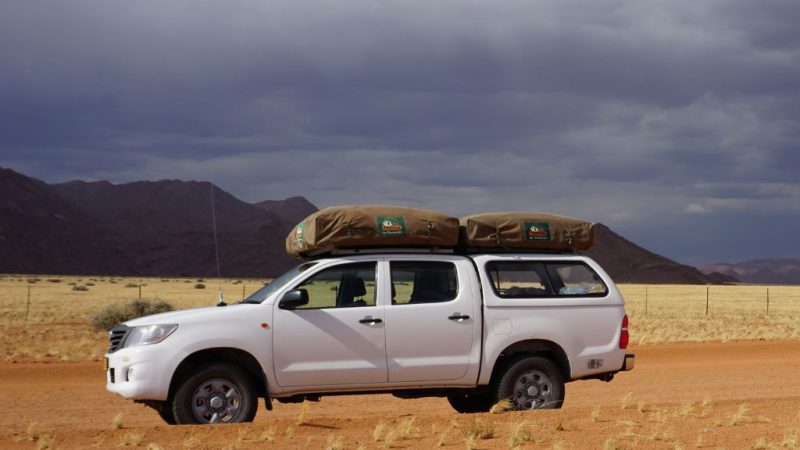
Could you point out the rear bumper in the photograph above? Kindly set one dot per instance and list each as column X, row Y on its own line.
column 629, row 360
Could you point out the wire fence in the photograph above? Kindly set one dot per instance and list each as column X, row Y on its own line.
column 699, row 301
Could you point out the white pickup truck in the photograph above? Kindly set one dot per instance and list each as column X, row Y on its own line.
column 474, row 328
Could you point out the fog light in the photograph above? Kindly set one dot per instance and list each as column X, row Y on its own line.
column 134, row 373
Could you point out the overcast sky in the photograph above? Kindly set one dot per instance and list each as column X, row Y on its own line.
column 675, row 122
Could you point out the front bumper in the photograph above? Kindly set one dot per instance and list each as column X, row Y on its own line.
column 140, row 373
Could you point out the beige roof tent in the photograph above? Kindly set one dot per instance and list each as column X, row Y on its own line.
column 526, row 231
column 371, row 226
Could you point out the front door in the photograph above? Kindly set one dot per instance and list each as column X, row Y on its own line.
column 338, row 337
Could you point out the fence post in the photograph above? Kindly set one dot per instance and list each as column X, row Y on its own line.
column 140, row 289
column 28, row 304
column 707, row 289
column 767, row 301
column 645, row 300
column 243, row 291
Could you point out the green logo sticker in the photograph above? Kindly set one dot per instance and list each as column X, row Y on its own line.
column 537, row 231
column 298, row 232
column 390, row 226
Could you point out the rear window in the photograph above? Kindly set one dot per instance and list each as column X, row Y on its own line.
column 529, row 279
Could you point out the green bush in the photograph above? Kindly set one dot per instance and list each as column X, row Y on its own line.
column 80, row 287
column 114, row 314
column 199, row 286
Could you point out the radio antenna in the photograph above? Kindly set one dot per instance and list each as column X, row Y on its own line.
column 220, row 301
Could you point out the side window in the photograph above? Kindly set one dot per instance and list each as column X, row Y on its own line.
column 575, row 279
column 516, row 279
column 416, row 282
column 345, row 286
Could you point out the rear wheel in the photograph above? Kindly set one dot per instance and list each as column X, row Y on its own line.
column 533, row 382
column 218, row 394
column 471, row 403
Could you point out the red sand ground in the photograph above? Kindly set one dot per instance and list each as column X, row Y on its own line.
column 65, row 405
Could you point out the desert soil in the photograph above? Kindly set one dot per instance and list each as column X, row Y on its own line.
column 729, row 395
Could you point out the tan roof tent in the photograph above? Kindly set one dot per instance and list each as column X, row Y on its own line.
column 371, row 226
column 526, row 231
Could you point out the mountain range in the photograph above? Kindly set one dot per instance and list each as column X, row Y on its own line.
column 764, row 271
column 165, row 228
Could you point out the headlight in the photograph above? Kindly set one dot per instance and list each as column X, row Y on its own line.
column 149, row 334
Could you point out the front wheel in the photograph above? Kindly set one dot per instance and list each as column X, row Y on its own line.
column 532, row 382
column 218, row 394
column 471, row 403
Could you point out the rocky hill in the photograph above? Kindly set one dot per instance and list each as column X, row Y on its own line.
column 626, row 262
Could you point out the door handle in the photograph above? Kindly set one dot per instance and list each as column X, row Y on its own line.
column 369, row 320
column 459, row 317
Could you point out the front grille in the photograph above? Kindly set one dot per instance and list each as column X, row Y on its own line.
column 111, row 376
column 116, row 337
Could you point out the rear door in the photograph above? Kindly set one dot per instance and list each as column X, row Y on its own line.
column 433, row 320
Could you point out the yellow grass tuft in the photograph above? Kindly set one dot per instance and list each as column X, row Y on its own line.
column 334, row 443
column 377, row 432
column 685, row 410
column 131, row 439
column 625, row 403
column 301, row 418
column 117, row 423
column 480, row 430
column 501, row 406
column 596, row 414
column 519, row 435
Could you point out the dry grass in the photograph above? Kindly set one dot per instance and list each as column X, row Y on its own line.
column 478, row 429
column 58, row 327
column 117, row 423
column 301, row 418
column 676, row 313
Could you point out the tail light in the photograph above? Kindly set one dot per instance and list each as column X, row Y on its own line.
column 624, row 336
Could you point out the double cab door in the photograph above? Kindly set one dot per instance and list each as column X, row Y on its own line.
column 382, row 321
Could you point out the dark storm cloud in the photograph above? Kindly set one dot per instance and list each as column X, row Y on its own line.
column 670, row 114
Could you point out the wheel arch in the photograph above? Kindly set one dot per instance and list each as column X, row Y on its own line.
column 531, row 347
column 228, row 355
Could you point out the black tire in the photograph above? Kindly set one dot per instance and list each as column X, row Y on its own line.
column 164, row 410
column 471, row 403
column 532, row 382
column 220, row 393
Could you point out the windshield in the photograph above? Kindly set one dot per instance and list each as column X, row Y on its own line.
column 262, row 294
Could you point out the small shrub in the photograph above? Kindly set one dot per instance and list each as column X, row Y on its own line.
column 131, row 285
column 199, row 286
column 114, row 314
column 54, row 280
column 80, row 287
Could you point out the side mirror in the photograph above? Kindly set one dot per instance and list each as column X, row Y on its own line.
column 294, row 298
